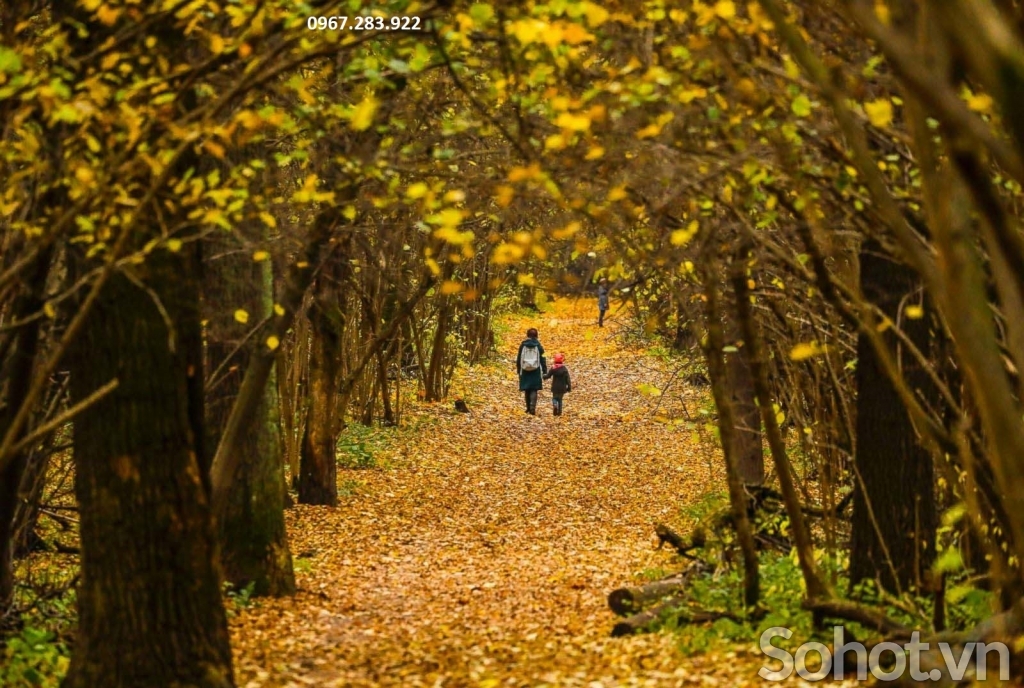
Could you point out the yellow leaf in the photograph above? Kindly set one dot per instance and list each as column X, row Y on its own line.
column 567, row 231
column 980, row 102
column 526, row 280
column 273, row 342
column 803, row 351
column 617, row 193
column 681, row 237
column 914, row 312
column 455, row 196
column 108, row 15
column 50, row 311
column 596, row 15
column 268, row 219
column 574, row 34
column 417, row 190
column 594, row 153
column 527, row 30
column 518, row 174
column 362, row 115
column 260, row 256
column 726, row 9
column 452, row 287
column 174, row 245
column 689, row 94
column 555, row 142
column 572, row 122
column 449, row 217
column 435, row 269
column 504, row 195
column 507, row 253
column 349, row 212
column 882, row 12
column 241, row 316
column 879, row 112
column 278, row 309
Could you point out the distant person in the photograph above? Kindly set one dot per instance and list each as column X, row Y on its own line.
column 561, row 383
column 602, row 300
column 531, row 366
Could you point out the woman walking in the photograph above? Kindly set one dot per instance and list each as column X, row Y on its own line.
column 602, row 300
column 531, row 367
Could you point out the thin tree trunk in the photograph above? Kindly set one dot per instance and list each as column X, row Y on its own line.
column 727, row 428
column 756, row 360
column 20, row 369
column 253, row 542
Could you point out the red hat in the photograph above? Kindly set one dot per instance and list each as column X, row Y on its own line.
column 559, row 358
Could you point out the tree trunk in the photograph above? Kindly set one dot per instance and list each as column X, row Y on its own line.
column 22, row 361
column 150, row 611
column 894, row 518
column 318, row 473
column 435, row 373
column 253, row 542
column 740, row 383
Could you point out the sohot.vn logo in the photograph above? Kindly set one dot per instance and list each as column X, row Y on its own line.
column 885, row 661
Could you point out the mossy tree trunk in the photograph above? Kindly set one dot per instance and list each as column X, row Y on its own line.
column 253, row 542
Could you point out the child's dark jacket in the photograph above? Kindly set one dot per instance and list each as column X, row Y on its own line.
column 560, row 380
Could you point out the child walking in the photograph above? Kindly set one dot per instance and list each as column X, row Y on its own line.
column 561, row 383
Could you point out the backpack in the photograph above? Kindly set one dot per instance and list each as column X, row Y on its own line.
column 531, row 358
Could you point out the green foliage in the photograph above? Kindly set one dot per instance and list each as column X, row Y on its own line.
column 782, row 592
column 35, row 657
column 349, row 488
column 360, row 445
column 238, row 599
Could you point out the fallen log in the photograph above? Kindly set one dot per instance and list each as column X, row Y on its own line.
column 666, row 535
column 673, row 606
column 640, row 621
column 626, row 601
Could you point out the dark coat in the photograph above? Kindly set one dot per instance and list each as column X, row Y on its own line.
column 602, row 297
column 560, row 381
column 531, row 379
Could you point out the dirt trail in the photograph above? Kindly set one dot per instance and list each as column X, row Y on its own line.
column 483, row 557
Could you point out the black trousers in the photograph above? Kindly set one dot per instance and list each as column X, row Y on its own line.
column 600, row 319
column 531, row 400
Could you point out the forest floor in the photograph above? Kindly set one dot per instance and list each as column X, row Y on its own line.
column 483, row 554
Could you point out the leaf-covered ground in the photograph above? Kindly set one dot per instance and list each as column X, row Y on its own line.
column 484, row 554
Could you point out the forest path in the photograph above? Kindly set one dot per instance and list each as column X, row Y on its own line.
column 484, row 555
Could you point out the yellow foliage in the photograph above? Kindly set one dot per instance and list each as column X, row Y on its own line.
column 506, row 254
column 555, row 142
column 452, row 287
column 806, row 350
column 417, row 190
column 579, row 122
column 503, row 195
column 879, row 112
column 362, row 114
column 725, row 9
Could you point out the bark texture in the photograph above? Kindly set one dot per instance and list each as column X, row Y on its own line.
column 150, row 611
column 894, row 518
